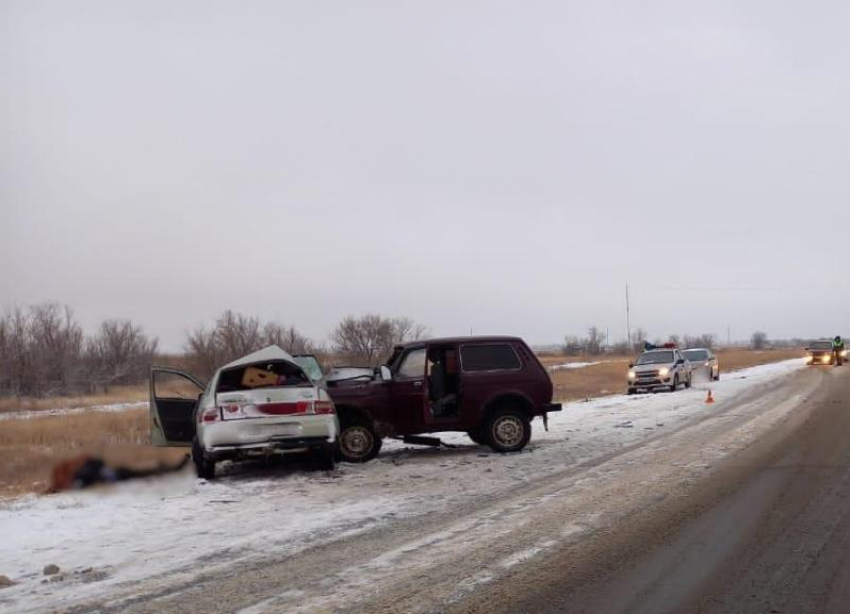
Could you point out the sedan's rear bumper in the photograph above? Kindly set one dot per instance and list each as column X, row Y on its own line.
column 265, row 435
column 300, row 444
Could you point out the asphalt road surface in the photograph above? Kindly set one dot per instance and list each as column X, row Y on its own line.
column 767, row 532
column 745, row 509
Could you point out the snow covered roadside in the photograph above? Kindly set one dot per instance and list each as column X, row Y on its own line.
column 568, row 366
column 105, row 541
column 68, row 411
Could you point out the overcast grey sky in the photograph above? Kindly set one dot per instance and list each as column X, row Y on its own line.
column 500, row 166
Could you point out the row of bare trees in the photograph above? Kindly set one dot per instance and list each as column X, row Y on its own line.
column 364, row 341
column 234, row 335
column 596, row 343
column 44, row 352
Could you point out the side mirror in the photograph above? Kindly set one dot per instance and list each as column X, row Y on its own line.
column 631, row 364
column 386, row 374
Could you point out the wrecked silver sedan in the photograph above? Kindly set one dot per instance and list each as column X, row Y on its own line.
column 259, row 405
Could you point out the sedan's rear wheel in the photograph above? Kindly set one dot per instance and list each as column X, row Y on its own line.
column 358, row 442
column 204, row 466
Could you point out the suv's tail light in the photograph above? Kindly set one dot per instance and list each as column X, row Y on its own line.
column 210, row 414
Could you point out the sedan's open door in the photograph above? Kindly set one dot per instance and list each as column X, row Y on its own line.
column 174, row 395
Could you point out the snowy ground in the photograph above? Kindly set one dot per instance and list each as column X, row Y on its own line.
column 107, row 541
column 68, row 411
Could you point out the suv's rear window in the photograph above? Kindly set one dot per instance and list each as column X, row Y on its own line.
column 490, row 357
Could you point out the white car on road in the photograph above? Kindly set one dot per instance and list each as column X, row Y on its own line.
column 661, row 368
column 259, row 405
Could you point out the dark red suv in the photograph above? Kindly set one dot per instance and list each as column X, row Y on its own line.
column 488, row 387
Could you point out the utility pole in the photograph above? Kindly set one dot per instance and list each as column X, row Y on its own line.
column 628, row 319
column 728, row 335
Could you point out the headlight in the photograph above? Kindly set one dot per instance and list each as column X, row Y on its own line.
column 826, row 358
column 632, row 375
column 809, row 358
column 664, row 372
column 843, row 353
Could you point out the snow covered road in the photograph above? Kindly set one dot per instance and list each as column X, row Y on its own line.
column 372, row 531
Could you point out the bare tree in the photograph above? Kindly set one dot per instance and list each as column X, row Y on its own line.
column 639, row 340
column 405, row 329
column 56, row 348
column 41, row 350
column 234, row 335
column 706, row 340
column 369, row 339
column 572, row 346
column 595, row 343
column 119, row 353
column 759, row 340
column 287, row 338
column 621, row 348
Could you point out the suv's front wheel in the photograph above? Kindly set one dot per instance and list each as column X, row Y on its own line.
column 508, row 430
column 358, row 442
column 476, row 437
column 675, row 385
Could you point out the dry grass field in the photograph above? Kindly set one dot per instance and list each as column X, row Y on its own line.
column 30, row 447
column 117, row 394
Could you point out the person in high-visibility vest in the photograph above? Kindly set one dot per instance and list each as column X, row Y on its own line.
column 838, row 350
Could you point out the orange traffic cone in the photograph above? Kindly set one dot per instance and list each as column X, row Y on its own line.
column 709, row 399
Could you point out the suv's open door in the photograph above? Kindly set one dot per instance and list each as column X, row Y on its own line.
column 174, row 395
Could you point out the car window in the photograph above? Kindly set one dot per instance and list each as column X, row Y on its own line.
column 696, row 355
column 413, row 364
column 821, row 345
column 655, row 358
column 489, row 357
column 277, row 374
column 310, row 366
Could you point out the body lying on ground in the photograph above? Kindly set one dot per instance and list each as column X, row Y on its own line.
column 84, row 471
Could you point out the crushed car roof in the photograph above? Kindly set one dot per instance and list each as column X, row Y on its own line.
column 271, row 352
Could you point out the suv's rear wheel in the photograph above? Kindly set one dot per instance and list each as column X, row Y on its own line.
column 358, row 442
column 508, row 430
column 204, row 466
